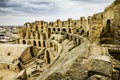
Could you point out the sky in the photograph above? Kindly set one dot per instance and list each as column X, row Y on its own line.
column 17, row 12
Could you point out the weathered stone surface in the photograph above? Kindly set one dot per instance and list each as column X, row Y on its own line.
column 68, row 50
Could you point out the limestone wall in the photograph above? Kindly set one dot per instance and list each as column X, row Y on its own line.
column 38, row 32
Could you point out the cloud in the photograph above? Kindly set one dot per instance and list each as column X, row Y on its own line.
column 93, row 1
column 21, row 10
column 27, row 7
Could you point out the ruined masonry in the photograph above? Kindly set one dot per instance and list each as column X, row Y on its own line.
column 83, row 49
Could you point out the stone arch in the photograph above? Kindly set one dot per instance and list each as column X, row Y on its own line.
column 71, row 37
column 49, row 32
column 64, row 30
column 67, row 36
column 79, row 41
column 108, row 25
column 8, row 66
column 51, row 45
column 54, row 47
column 69, row 30
column 44, row 45
column 53, row 29
column 75, row 39
column 36, row 28
column 77, row 30
column 41, row 27
column 34, row 43
column 24, row 42
column 75, row 23
column 33, row 35
column 39, row 43
column 58, row 29
column 48, row 57
column 82, row 31
column 38, row 35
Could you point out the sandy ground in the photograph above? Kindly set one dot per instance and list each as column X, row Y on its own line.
column 7, row 74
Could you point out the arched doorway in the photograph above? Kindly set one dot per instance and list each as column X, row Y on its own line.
column 48, row 57
column 108, row 25
column 24, row 42
column 34, row 43
column 49, row 32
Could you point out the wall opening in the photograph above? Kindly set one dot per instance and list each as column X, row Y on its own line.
column 38, row 36
column 8, row 66
column 48, row 57
column 41, row 27
column 69, row 30
column 53, row 29
column 64, row 30
column 49, row 32
column 39, row 43
column 82, row 32
column 34, row 43
column 67, row 36
column 58, row 29
column 43, row 43
column 51, row 45
column 108, row 26
column 36, row 28
column 24, row 42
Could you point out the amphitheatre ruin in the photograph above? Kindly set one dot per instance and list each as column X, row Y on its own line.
column 83, row 49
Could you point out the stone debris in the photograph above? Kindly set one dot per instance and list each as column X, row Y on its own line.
column 83, row 49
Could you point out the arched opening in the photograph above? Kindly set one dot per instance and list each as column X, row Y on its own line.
column 41, row 27
column 69, row 30
column 24, row 42
column 108, row 26
column 82, row 32
column 64, row 30
column 8, row 67
column 75, row 23
column 51, row 45
column 43, row 43
column 33, row 35
column 71, row 38
column 39, row 43
column 77, row 30
column 75, row 39
column 31, row 51
column 67, row 36
column 34, row 43
column 53, row 29
column 54, row 47
column 49, row 32
column 36, row 28
column 48, row 57
column 38, row 36
column 58, row 29
column 79, row 41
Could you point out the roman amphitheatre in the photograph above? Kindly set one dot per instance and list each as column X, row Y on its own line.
column 82, row 49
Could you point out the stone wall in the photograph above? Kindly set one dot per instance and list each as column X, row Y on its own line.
column 94, row 28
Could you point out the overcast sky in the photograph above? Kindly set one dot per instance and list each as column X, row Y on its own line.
column 17, row 12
